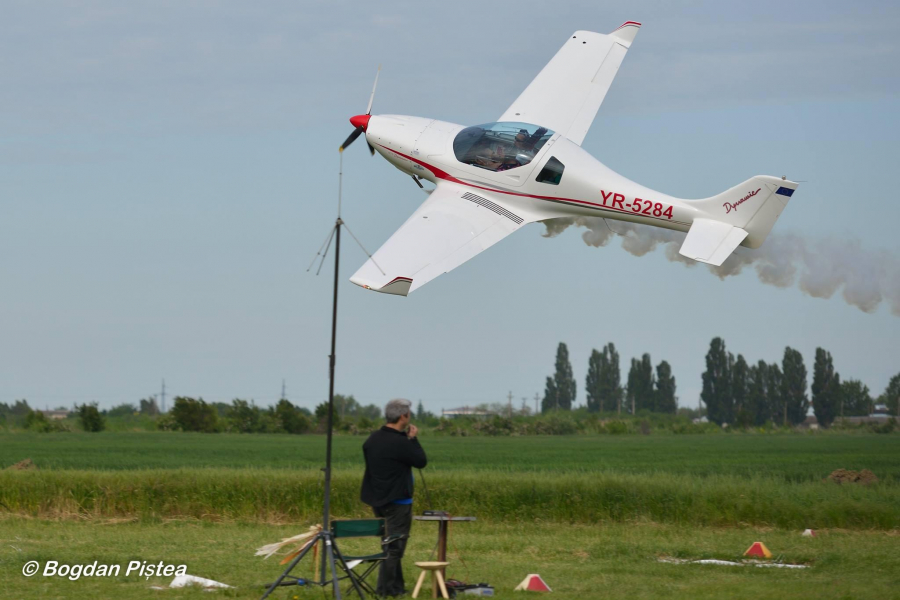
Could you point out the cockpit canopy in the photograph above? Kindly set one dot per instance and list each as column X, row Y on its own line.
column 500, row 146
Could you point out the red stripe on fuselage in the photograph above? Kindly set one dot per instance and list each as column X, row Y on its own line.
column 441, row 174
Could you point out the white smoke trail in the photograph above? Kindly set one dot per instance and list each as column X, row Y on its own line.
column 818, row 267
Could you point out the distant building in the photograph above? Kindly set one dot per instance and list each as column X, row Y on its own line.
column 881, row 410
column 876, row 417
column 55, row 415
column 466, row 411
column 880, row 414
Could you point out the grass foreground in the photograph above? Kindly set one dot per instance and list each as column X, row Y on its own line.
column 591, row 514
column 577, row 561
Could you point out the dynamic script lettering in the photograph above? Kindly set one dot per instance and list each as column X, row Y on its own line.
column 730, row 206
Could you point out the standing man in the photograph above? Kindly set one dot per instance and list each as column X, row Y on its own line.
column 391, row 453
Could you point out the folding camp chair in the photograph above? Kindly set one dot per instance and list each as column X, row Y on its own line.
column 355, row 528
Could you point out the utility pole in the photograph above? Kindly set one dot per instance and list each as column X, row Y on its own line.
column 162, row 407
column 509, row 401
column 537, row 409
column 283, row 391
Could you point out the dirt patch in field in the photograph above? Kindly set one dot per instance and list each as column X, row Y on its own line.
column 23, row 465
column 117, row 521
column 864, row 477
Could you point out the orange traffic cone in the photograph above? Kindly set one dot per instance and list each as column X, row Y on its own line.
column 533, row 583
column 758, row 549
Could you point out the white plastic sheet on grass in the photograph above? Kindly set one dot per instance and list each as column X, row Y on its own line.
column 728, row 563
column 186, row 580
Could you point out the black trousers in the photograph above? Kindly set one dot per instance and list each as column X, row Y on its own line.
column 398, row 520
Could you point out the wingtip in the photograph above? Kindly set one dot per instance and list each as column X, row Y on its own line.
column 399, row 286
column 626, row 32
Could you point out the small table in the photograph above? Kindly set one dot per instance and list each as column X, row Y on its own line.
column 443, row 528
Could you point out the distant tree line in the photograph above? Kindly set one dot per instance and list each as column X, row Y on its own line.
column 195, row 414
column 242, row 416
column 146, row 407
column 646, row 389
column 21, row 414
column 833, row 398
column 12, row 414
column 736, row 393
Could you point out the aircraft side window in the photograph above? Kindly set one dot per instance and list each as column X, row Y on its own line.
column 552, row 172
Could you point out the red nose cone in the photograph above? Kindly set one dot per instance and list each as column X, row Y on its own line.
column 360, row 121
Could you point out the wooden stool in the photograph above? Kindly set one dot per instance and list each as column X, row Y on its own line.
column 436, row 578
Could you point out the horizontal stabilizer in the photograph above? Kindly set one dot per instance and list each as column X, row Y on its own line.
column 711, row 242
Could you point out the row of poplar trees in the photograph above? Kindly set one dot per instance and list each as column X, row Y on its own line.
column 737, row 393
column 833, row 398
column 646, row 388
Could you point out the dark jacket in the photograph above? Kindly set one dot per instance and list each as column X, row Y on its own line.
column 390, row 456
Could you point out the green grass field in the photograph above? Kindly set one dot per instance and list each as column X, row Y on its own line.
column 278, row 495
column 592, row 514
column 598, row 561
column 789, row 457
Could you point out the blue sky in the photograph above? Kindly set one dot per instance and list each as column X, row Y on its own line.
column 168, row 170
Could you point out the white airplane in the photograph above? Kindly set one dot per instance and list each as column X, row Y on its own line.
column 529, row 166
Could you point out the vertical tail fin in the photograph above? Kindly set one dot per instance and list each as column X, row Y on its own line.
column 761, row 223
column 753, row 206
column 741, row 216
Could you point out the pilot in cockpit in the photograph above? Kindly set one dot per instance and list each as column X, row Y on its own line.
column 522, row 150
column 521, row 139
column 489, row 155
column 500, row 153
column 525, row 142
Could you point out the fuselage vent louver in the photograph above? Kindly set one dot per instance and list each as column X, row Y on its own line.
column 492, row 206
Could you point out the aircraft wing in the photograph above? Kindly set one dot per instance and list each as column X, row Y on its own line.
column 450, row 227
column 567, row 93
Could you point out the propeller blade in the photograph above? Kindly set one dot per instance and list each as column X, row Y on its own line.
column 371, row 149
column 350, row 138
column 372, row 97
